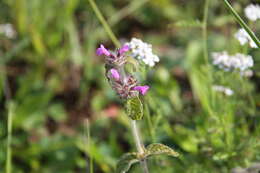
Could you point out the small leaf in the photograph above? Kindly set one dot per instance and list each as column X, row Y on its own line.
column 126, row 162
column 132, row 61
column 134, row 108
column 158, row 149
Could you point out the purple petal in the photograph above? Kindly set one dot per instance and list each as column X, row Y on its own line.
column 124, row 49
column 102, row 50
column 142, row 89
column 115, row 74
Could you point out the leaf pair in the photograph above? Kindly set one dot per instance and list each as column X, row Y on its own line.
column 128, row 159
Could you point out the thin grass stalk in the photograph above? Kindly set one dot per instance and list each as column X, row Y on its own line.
column 242, row 23
column 91, row 167
column 129, row 9
column 205, row 32
column 9, row 137
column 104, row 23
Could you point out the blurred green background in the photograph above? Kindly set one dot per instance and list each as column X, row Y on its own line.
column 50, row 72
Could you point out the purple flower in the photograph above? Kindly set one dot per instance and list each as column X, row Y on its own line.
column 115, row 74
column 102, row 50
column 124, row 49
column 142, row 89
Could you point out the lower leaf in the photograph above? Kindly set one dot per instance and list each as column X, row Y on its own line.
column 126, row 161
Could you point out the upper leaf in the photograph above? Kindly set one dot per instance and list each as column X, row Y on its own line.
column 134, row 108
column 157, row 149
column 126, row 161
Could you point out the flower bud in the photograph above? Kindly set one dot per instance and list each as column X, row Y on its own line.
column 142, row 89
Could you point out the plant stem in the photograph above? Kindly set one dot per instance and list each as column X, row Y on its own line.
column 137, row 138
column 9, row 137
column 104, row 23
column 139, row 144
column 242, row 23
column 204, row 31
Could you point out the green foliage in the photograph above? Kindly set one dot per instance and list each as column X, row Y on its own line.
column 128, row 159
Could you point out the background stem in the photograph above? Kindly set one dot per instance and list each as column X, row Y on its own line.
column 139, row 144
column 104, row 23
column 204, row 31
column 91, row 167
column 9, row 137
column 242, row 23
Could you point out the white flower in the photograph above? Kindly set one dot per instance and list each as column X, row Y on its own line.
column 142, row 51
column 252, row 12
column 227, row 62
column 243, row 37
column 222, row 89
column 7, row 30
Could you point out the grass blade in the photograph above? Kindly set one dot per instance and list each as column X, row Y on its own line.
column 242, row 23
column 104, row 23
column 10, row 108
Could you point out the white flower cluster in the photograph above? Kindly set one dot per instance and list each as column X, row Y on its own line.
column 142, row 51
column 227, row 62
column 252, row 12
column 243, row 37
column 7, row 30
column 222, row 89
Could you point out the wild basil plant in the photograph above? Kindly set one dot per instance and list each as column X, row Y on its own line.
column 126, row 85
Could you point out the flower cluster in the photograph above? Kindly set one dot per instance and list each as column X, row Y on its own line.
column 243, row 37
column 228, row 62
column 125, row 85
column 222, row 89
column 142, row 51
column 7, row 30
column 252, row 12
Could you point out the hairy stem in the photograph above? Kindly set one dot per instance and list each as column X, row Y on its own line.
column 139, row 144
column 104, row 23
column 242, row 23
column 9, row 138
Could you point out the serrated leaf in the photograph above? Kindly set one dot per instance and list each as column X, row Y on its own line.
column 134, row 108
column 126, row 161
column 159, row 149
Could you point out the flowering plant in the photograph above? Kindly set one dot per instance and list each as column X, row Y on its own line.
column 127, row 88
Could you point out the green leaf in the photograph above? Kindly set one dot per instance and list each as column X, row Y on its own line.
column 133, row 62
column 159, row 149
column 126, row 161
column 134, row 108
